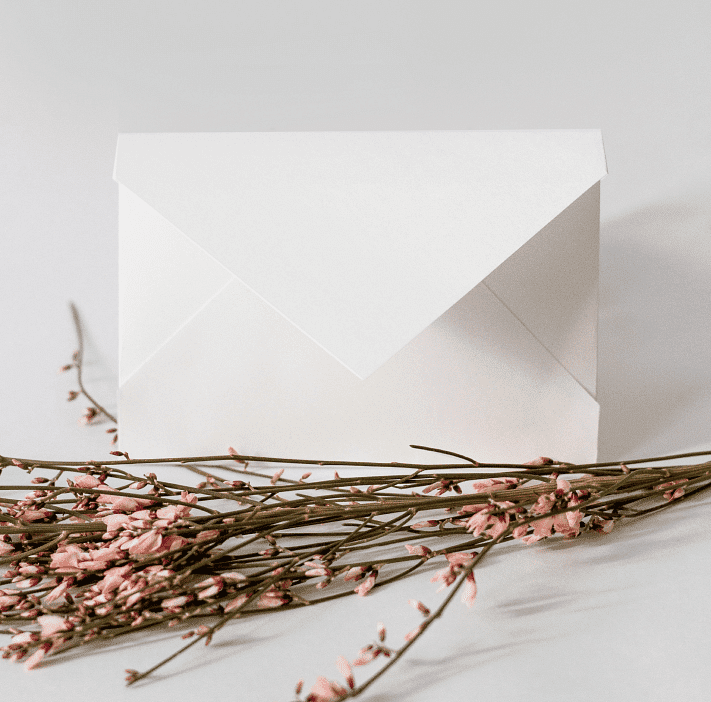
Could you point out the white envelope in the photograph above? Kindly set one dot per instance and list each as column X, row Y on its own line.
column 342, row 295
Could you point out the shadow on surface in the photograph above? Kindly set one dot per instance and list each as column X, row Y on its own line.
column 655, row 334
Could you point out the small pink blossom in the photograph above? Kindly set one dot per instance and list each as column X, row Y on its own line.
column 426, row 524
column 149, row 542
column 8, row 602
column 491, row 484
column 273, row 597
column 214, row 587
column 24, row 637
column 460, row 558
column 233, row 577
column 382, row 633
column 367, row 585
column 27, row 583
column 520, row 531
column 355, row 573
column 115, row 521
column 415, row 632
column 563, row 485
column 113, row 578
column 326, row 691
column 419, row 550
column 172, row 542
column 543, row 504
column 604, row 526
column 174, row 604
column 34, row 660
column 345, row 670
column 6, row 549
column 52, row 624
column 367, row 654
column 421, row 608
column 87, row 481
column 237, row 602
column 541, row 461
column 34, row 515
column 207, row 535
column 469, row 593
column 446, row 575
column 57, row 592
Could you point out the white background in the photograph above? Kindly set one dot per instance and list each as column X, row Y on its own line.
column 626, row 617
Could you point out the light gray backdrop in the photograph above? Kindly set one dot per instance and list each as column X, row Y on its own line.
column 629, row 620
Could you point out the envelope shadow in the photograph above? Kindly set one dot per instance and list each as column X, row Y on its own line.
column 654, row 373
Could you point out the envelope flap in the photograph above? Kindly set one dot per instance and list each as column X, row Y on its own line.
column 361, row 239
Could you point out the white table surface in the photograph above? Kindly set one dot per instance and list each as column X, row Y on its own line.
column 625, row 617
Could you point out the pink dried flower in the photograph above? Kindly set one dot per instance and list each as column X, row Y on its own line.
column 114, row 578
column 149, row 542
column 543, row 504
column 237, row 602
column 355, row 573
column 87, row 481
column 344, row 669
column 367, row 585
column 382, row 633
column 469, row 593
column 419, row 550
column 34, row 515
column 542, row 528
column 8, row 602
column 52, row 624
column 210, row 591
column 170, row 543
column 415, row 632
column 24, row 637
column 174, row 604
column 416, row 604
column 26, row 583
column 541, row 461
column 6, row 549
column 491, row 484
column 604, row 526
column 316, row 572
column 273, row 597
column 425, row 524
column 34, row 660
column 207, row 535
column 563, row 485
column 520, row 531
column 326, row 691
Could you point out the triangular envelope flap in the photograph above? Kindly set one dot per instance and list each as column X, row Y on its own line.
column 551, row 285
column 361, row 239
column 164, row 278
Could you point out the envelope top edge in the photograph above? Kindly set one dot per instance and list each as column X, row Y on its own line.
column 361, row 239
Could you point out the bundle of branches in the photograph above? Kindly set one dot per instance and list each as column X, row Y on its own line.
column 95, row 551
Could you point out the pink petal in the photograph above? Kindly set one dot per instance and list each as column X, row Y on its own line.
column 366, row 586
column 418, row 550
column 52, row 623
column 345, row 670
column 34, row 660
column 469, row 593
column 87, row 481
column 460, row 558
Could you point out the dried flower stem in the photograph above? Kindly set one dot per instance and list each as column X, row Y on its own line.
column 97, row 552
